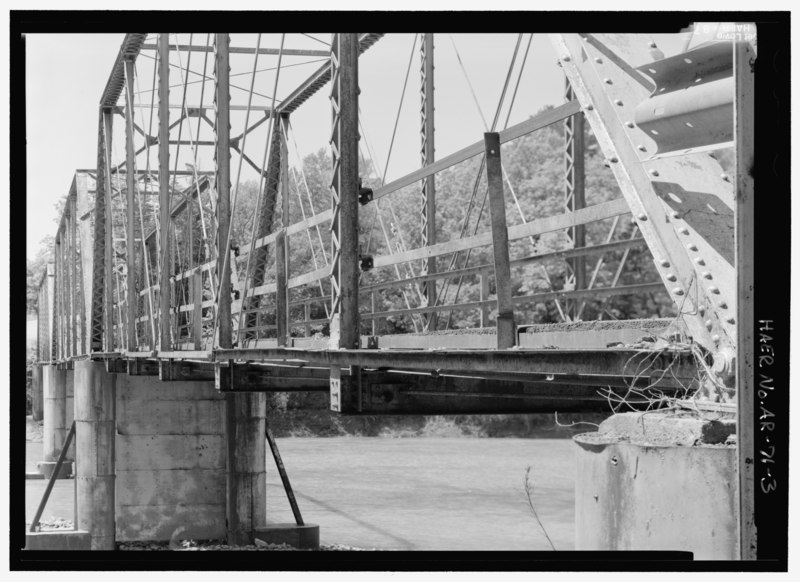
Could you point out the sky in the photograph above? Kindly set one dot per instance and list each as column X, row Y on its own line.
column 66, row 75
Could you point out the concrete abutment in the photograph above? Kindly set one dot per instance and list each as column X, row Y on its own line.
column 653, row 481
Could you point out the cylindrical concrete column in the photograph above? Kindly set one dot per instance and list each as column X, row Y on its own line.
column 54, row 389
column 37, row 405
column 95, row 413
column 247, row 456
column 69, row 408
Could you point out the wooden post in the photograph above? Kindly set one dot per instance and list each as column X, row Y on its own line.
column 745, row 315
column 95, row 430
column 502, row 267
column 165, row 268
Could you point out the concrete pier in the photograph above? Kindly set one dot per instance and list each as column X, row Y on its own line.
column 657, row 482
column 37, row 404
column 247, row 478
column 95, row 411
column 57, row 412
column 171, row 460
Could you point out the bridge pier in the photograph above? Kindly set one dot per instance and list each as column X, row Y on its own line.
column 57, row 414
column 95, row 432
column 37, row 405
column 245, row 429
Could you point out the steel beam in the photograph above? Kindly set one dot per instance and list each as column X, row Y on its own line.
column 222, row 159
column 116, row 82
column 242, row 377
column 344, row 192
column 130, row 215
column 574, row 199
column 506, row 336
column 170, row 370
column 683, row 205
column 99, row 253
column 427, row 131
column 165, row 241
column 243, row 50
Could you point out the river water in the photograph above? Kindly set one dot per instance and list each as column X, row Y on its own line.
column 429, row 493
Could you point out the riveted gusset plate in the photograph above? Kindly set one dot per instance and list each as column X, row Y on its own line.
column 682, row 204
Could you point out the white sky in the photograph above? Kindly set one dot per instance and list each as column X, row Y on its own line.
column 66, row 75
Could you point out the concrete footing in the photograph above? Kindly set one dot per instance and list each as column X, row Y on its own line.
column 58, row 540
column 304, row 537
column 654, row 481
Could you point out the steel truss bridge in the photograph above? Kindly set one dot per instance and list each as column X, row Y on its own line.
column 146, row 275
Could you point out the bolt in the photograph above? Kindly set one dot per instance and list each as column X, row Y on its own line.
column 641, row 148
column 700, row 261
column 642, row 217
column 725, row 177
column 683, row 230
column 598, row 60
column 731, row 320
column 722, row 305
column 675, row 214
column 692, row 247
column 677, row 291
column 709, row 324
column 671, row 277
column 613, row 160
column 706, row 275
column 664, row 264
column 715, row 337
column 654, row 172
column 589, row 107
column 652, row 44
column 714, row 290
column 629, row 124
column 618, row 102
column 566, row 58
column 608, row 81
column 701, row 310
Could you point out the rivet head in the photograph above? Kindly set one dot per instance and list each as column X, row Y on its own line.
column 677, row 291
column 731, row 320
column 722, row 305
column 683, row 230
column 598, row 60
column 613, row 160
column 725, row 177
column 629, row 124
column 608, row 81
column 642, row 217
column 618, row 102
column 706, row 275
column 664, row 264
column 709, row 324
column 654, row 172
column 715, row 337
column 692, row 247
column 566, row 58
column 671, row 277
column 714, row 290
column 701, row 310
column 589, row 107
column 641, row 148
column 651, row 44
column 700, row 261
